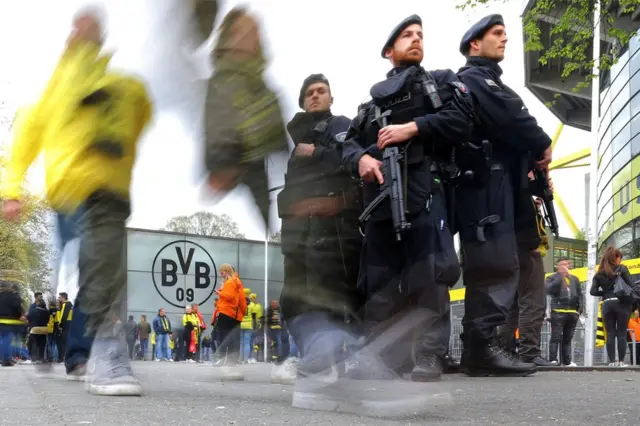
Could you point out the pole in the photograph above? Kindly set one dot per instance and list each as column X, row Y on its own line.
column 590, row 326
column 266, row 275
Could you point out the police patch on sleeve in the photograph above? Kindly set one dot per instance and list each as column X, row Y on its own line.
column 461, row 87
column 491, row 83
column 340, row 137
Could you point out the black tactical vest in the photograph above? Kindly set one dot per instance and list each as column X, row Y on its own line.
column 404, row 94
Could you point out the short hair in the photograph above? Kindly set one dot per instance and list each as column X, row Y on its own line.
column 562, row 259
column 130, row 317
column 63, row 294
column 160, row 310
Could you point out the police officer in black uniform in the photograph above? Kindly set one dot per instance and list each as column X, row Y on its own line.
column 493, row 174
column 319, row 207
column 408, row 274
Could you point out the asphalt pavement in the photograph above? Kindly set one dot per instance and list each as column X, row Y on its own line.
column 187, row 394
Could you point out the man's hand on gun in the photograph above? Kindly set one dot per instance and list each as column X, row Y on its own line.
column 369, row 169
column 396, row 133
column 543, row 163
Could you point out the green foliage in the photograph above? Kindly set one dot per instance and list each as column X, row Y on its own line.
column 581, row 235
column 275, row 238
column 206, row 224
column 573, row 31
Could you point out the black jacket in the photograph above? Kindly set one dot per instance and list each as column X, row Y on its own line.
column 39, row 317
column 603, row 284
column 320, row 175
column 517, row 139
column 10, row 302
column 438, row 131
column 563, row 296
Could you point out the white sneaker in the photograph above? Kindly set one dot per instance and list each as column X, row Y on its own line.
column 109, row 370
column 613, row 364
column 27, row 362
column 285, row 373
column 170, row 360
column 622, row 364
column 571, row 364
column 229, row 373
column 252, row 361
column 553, row 362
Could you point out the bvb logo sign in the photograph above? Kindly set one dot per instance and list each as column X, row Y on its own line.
column 183, row 273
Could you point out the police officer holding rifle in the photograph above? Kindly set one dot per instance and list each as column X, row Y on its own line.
column 399, row 144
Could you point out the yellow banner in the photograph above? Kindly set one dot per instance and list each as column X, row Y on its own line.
column 633, row 265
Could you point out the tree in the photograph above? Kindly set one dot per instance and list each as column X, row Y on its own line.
column 581, row 235
column 25, row 246
column 275, row 238
column 573, row 31
column 206, row 224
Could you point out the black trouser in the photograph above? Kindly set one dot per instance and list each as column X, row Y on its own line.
column 490, row 268
column 527, row 312
column 37, row 346
column 409, row 279
column 563, row 326
column 131, row 346
column 61, row 343
column 320, row 278
column 637, row 353
column 615, row 316
column 229, row 335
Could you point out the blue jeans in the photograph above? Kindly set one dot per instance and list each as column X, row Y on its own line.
column 51, row 352
column 78, row 343
column 206, row 354
column 163, row 351
column 6, row 347
column 246, row 336
column 293, row 349
column 144, row 345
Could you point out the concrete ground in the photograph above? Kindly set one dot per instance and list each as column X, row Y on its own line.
column 186, row 394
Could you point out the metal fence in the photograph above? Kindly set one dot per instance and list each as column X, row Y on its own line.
column 599, row 354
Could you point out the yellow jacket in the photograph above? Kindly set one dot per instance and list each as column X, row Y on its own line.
column 247, row 320
column 86, row 124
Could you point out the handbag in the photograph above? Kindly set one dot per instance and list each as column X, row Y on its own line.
column 622, row 290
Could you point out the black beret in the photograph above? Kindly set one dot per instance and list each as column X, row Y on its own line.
column 312, row 79
column 413, row 19
column 478, row 30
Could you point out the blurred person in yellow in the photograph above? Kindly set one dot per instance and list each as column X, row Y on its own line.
column 87, row 124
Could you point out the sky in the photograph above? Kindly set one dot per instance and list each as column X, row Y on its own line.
column 341, row 39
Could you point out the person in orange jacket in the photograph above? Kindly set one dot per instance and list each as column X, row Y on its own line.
column 230, row 308
column 634, row 324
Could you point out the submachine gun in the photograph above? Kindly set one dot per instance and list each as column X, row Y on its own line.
column 392, row 187
column 541, row 189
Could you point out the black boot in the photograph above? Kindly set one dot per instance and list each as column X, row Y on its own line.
column 428, row 368
column 450, row 365
column 493, row 360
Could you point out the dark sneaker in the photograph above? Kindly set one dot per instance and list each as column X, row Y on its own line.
column 77, row 373
column 109, row 370
column 7, row 364
column 44, row 369
column 540, row 362
column 428, row 368
column 493, row 360
column 450, row 365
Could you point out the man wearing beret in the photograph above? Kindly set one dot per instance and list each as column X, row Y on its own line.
column 319, row 207
column 406, row 275
column 494, row 204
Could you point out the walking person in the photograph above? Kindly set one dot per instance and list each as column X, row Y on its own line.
column 567, row 304
column 231, row 308
column 615, row 312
